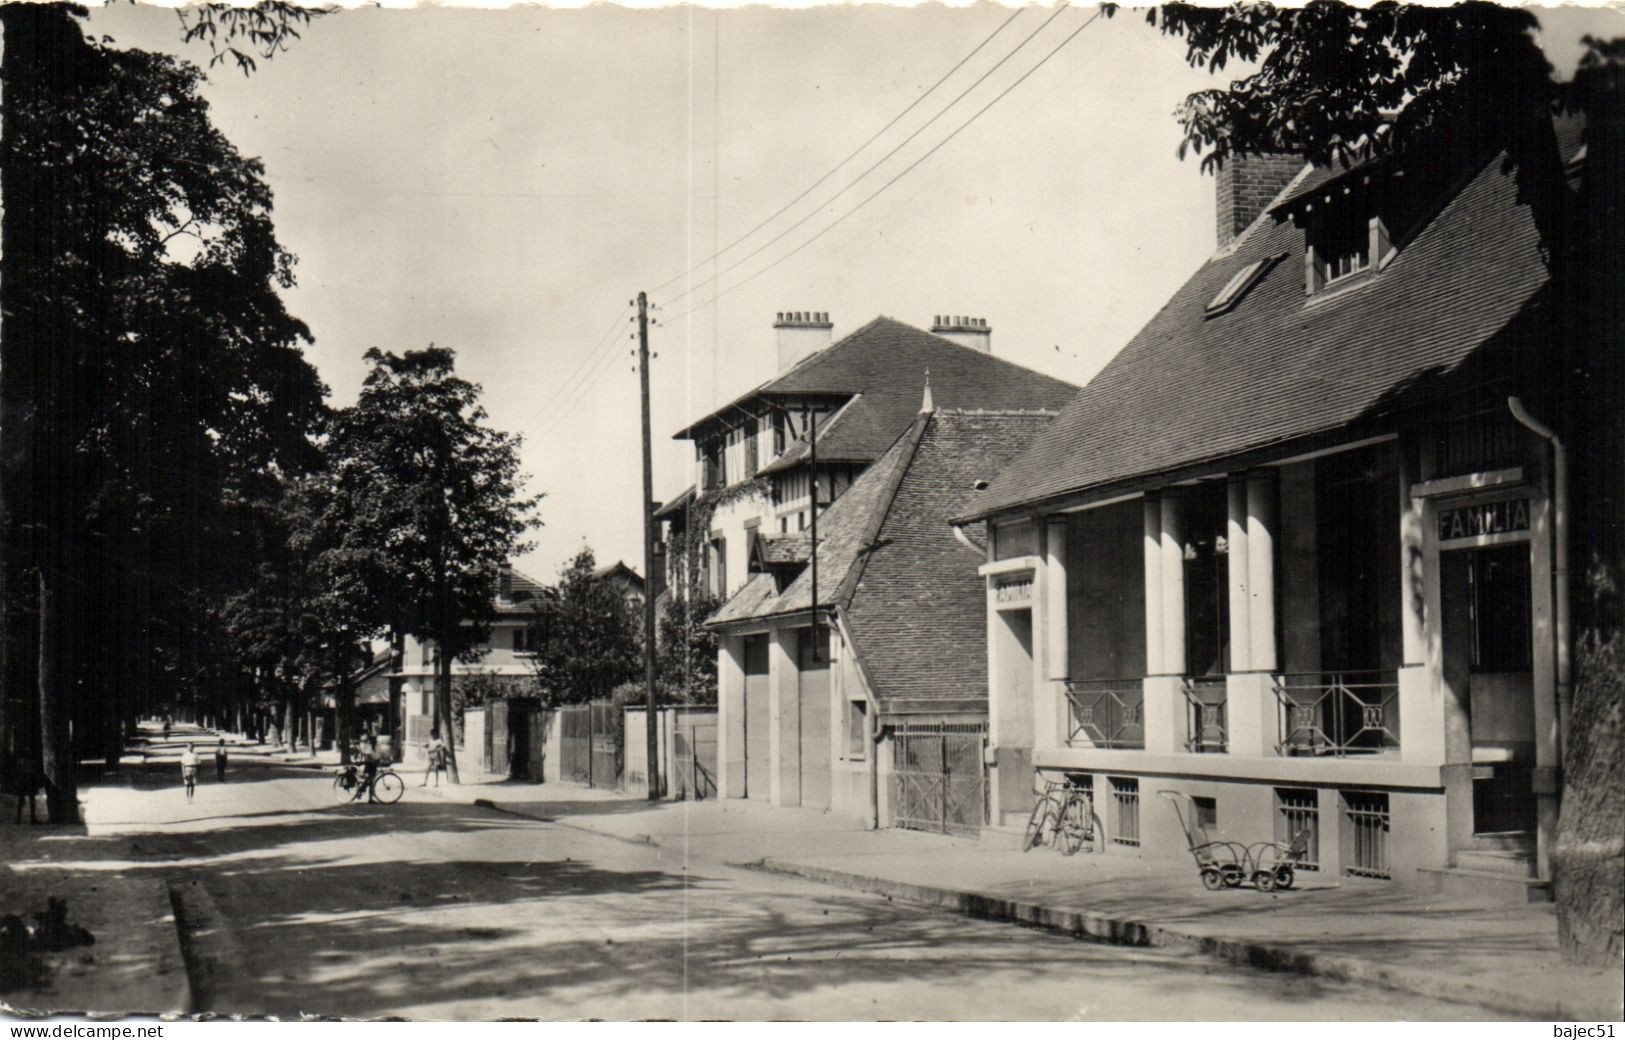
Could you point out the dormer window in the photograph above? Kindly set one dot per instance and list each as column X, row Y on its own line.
column 1342, row 244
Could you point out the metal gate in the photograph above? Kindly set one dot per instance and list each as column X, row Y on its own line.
column 696, row 754
column 606, row 745
column 938, row 777
column 575, row 744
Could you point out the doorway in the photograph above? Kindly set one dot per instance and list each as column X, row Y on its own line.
column 1488, row 646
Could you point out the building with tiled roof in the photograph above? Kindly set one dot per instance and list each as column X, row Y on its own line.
column 754, row 455
column 1295, row 556
column 821, row 716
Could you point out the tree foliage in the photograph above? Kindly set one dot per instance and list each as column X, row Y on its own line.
column 437, row 502
column 588, row 637
column 152, row 385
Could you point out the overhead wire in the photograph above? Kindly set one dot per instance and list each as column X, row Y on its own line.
column 1060, row 8
column 855, row 153
column 559, row 391
column 900, row 175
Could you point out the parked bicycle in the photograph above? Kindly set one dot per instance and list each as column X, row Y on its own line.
column 1064, row 817
column 351, row 785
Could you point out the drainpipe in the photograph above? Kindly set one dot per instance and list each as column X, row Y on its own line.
column 1560, row 567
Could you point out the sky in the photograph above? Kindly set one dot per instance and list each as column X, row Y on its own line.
column 504, row 182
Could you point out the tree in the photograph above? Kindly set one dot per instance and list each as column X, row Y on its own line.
column 588, row 638
column 687, row 659
column 150, row 378
column 1339, row 84
column 437, row 501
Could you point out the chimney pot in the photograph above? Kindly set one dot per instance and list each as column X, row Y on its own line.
column 801, row 334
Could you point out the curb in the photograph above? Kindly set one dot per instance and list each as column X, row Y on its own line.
column 1250, row 953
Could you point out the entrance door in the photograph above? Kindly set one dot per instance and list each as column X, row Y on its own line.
column 813, row 690
column 757, row 760
column 519, row 740
column 1487, row 645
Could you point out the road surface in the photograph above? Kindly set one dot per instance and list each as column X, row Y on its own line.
column 292, row 904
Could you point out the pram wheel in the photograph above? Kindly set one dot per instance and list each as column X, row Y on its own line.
column 1265, row 880
column 1212, row 880
column 1284, row 877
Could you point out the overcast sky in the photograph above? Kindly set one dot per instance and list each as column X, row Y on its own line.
column 504, row 182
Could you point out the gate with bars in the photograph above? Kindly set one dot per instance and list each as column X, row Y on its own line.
column 606, row 722
column 575, row 744
column 938, row 777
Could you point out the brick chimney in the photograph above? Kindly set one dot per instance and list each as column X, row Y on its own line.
column 974, row 333
column 802, row 334
column 1245, row 185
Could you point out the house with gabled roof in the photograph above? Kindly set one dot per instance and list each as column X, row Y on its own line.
column 853, row 678
column 1297, row 554
column 754, row 456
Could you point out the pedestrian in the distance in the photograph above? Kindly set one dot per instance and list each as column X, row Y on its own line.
column 167, row 723
column 189, row 771
column 220, row 761
column 369, row 767
column 435, row 751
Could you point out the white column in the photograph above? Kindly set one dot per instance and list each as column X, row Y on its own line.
column 1261, row 568
column 784, row 719
column 1173, row 584
column 730, row 717
column 1054, row 588
column 1241, row 631
column 1153, row 584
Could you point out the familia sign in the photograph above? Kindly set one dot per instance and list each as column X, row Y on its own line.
column 1489, row 518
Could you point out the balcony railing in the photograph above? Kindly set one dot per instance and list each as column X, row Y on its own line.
column 1205, row 714
column 1338, row 713
column 1106, row 713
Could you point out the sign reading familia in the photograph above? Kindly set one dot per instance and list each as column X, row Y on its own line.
column 1490, row 518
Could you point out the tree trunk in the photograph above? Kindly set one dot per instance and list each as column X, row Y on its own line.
column 56, row 738
column 343, row 709
column 290, row 716
column 1588, row 865
column 442, row 700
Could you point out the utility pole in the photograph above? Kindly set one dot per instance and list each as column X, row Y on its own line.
column 651, row 719
column 812, row 497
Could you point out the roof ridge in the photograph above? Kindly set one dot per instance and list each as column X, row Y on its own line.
column 998, row 411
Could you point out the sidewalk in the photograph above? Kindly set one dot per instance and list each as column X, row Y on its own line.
column 1497, row 957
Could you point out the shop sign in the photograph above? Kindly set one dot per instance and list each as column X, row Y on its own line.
column 1014, row 590
column 1489, row 518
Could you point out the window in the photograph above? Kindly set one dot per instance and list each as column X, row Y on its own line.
column 1125, row 811
column 1342, row 244
column 750, row 448
column 1365, row 834
column 1238, row 285
column 857, row 729
column 1207, row 813
column 521, row 640
column 1297, row 809
column 719, row 567
column 1499, row 581
column 711, row 455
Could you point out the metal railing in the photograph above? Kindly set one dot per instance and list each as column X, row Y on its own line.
column 1338, row 713
column 1106, row 713
column 1205, row 713
column 1367, row 815
column 1125, row 811
column 1297, row 810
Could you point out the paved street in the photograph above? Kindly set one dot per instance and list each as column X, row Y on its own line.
column 292, row 903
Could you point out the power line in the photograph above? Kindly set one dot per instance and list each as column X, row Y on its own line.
column 855, row 152
column 558, row 391
column 605, row 362
column 878, row 163
column 905, row 171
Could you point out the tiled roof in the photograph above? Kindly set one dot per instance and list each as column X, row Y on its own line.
column 676, row 505
column 918, row 610
column 795, row 547
column 1279, row 368
column 885, row 363
column 887, row 556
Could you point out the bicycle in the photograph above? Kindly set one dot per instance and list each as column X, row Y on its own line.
column 387, row 786
column 1064, row 816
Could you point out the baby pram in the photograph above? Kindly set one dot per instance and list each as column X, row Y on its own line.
column 1267, row 864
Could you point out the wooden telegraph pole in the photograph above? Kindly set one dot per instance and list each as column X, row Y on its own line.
column 651, row 719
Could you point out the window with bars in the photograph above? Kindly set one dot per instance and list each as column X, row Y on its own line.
column 1298, row 809
column 1365, row 834
column 1125, row 811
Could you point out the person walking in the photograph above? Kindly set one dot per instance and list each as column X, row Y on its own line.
column 168, row 722
column 220, row 761
column 435, row 751
column 369, row 768
column 189, row 771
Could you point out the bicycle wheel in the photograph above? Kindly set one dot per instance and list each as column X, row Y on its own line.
column 1041, row 824
column 344, row 786
column 1074, row 829
column 388, row 787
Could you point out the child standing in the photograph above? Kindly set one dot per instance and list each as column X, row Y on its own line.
column 189, row 771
